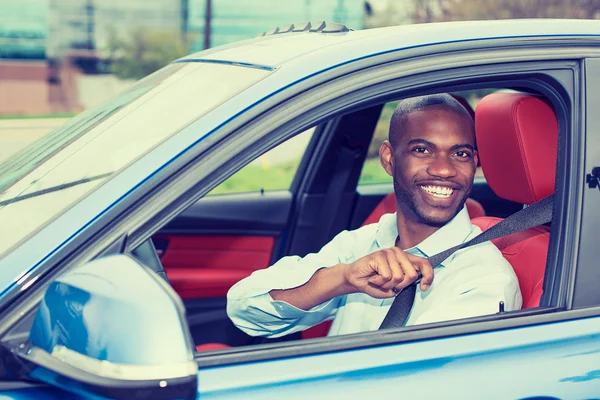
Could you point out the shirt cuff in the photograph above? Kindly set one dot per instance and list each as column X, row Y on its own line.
column 286, row 310
column 264, row 280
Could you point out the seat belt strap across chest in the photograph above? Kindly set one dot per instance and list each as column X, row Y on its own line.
column 538, row 213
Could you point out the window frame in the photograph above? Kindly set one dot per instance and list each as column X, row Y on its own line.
column 586, row 276
column 446, row 328
column 378, row 86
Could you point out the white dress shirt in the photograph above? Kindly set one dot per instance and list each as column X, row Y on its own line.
column 469, row 283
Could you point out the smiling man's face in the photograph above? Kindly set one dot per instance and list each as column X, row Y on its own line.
column 433, row 161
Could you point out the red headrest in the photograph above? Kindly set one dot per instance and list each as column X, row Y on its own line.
column 517, row 138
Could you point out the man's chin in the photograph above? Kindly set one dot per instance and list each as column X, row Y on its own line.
column 438, row 217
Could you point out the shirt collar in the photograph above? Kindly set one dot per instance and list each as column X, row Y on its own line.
column 453, row 233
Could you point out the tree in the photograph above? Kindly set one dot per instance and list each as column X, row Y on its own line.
column 143, row 52
column 461, row 10
column 419, row 11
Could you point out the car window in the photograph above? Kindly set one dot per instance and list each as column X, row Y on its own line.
column 48, row 176
column 274, row 170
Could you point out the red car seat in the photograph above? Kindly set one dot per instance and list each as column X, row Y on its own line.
column 517, row 136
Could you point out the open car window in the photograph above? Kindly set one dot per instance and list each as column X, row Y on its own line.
column 201, row 263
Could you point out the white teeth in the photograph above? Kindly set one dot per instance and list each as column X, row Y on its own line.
column 438, row 191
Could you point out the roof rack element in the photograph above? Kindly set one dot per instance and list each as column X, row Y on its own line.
column 317, row 27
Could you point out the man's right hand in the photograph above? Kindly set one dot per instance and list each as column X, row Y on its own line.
column 385, row 273
column 381, row 275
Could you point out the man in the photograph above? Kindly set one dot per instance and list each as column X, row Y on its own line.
column 432, row 158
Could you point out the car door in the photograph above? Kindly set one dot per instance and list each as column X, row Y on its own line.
column 543, row 356
column 547, row 360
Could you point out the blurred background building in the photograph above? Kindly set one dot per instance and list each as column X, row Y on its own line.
column 234, row 20
column 61, row 56
column 23, row 70
column 23, row 29
column 82, row 29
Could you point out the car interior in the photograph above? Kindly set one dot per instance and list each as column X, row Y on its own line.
column 328, row 179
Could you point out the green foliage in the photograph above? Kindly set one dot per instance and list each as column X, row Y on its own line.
column 382, row 129
column 143, row 52
column 373, row 172
column 420, row 11
column 462, row 10
column 253, row 178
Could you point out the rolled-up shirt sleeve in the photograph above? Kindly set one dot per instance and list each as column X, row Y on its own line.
column 253, row 310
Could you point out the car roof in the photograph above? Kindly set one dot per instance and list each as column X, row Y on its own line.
column 272, row 51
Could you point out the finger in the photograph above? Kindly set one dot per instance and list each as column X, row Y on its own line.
column 410, row 271
column 395, row 268
column 427, row 272
column 380, row 266
column 377, row 292
column 425, row 269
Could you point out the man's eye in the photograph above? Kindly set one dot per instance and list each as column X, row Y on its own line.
column 463, row 154
column 420, row 150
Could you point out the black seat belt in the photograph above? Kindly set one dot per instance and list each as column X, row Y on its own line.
column 538, row 213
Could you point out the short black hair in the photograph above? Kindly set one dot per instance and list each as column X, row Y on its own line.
column 407, row 106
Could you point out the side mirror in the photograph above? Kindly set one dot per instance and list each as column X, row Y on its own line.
column 112, row 328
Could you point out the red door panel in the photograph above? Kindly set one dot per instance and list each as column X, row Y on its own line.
column 202, row 266
column 320, row 330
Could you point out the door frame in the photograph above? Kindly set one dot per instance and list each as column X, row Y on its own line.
column 534, row 75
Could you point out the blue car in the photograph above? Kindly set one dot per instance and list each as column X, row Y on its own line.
column 122, row 231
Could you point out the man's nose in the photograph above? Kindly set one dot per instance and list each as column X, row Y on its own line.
column 442, row 167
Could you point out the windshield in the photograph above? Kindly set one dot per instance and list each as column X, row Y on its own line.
column 47, row 177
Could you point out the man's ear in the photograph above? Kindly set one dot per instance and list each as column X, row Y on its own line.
column 386, row 156
column 476, row 158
